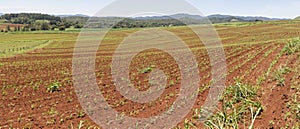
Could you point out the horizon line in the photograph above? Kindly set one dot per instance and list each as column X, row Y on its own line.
column 74, row 14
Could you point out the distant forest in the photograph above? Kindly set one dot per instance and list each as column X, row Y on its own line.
column 37, row 21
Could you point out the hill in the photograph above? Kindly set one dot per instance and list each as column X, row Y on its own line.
column 70, row 15
column 244, row 18
column 217, row 18
column 297, row 18
column 177, row 16
column 37, row 21
column 28, row 18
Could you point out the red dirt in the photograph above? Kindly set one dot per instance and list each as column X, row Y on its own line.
column 23, row 106
column 275, row 98
column 12, row 26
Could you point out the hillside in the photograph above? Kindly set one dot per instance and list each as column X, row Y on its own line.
column 70, row 15
column 297, row 18
column 245, row 18
column 34, row 21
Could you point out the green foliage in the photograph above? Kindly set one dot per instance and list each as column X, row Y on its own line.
column 44, row 25
column 142, row 23
column 292, row 47
column 52, row 112
column 239, row 106
column 62, row 28
column 10, row 47
column 37, row 21
column 81, row 124
column 8, row 28
column 278, row 75
column 296, row 109
column 40, row 25
column 29, row 18
column 76, row 21
column 294, row 103
column 146, row 70
column 188, row 124
column 80, row 113
column 218, row 19
column 53, row 87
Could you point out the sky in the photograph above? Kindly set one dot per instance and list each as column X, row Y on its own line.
column 268, row 8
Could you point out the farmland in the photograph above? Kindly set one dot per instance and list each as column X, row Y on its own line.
column 262, row 80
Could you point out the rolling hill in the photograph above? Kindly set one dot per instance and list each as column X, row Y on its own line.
column 297, row 18
column 79, row 20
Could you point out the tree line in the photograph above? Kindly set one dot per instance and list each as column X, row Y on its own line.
column 37, row 21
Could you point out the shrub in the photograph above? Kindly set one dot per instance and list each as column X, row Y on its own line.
column 62, row 28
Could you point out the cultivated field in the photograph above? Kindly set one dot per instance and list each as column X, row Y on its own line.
column 263, row 80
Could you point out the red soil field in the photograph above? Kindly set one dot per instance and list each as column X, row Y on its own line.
column 12, row 26
column 26, row 103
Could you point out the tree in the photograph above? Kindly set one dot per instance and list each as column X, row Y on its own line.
column 62, row 28
column 26, row 28
column 45, row 26
column 33, row 29
column 8, row 28
column 78, row 25
column 42, row 24
column 67, row 24
column 30, row 18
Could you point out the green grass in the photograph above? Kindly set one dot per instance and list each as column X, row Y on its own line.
column 18, row 43
column 18, row 47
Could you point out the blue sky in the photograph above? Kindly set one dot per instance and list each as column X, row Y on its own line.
column 269, row 8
